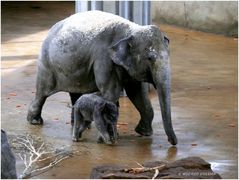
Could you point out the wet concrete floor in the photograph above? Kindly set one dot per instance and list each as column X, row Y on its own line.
column 204, row 99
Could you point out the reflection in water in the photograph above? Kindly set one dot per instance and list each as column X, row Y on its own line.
column 171, row 153
column 222, row 165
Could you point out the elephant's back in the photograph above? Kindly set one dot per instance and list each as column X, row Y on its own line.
column 94, row 22
column 86, row 26
column 73, row 36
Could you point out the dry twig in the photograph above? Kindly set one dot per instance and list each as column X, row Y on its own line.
column 35, row 155
column 155, row 174
column 143, row 169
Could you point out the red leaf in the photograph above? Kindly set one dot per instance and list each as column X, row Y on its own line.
column 13, row 94
column 17, row 106
column 122, row 123
column 232, row 125
column 193, row 144
column 216, row 115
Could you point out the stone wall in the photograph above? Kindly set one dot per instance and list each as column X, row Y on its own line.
column 219, row 17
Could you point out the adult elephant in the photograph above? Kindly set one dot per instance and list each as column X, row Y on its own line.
column 98, row 51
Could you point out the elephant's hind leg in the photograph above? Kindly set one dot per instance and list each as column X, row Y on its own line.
column 34, row 111
column 45, row 86
column 138, row 95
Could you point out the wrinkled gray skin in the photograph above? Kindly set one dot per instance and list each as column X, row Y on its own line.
column 8, row 161
column 97, row 51
column 91, row 107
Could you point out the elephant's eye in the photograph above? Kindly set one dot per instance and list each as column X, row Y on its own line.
column 152, row 56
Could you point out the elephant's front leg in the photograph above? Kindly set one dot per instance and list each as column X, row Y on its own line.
column 138, row 94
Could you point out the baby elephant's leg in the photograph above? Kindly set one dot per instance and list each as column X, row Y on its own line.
column 100, row 139
column 79, row 125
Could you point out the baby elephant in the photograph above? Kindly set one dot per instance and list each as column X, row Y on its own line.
column 91, row 107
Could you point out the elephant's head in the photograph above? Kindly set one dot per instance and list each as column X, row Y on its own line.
column 145, row 56
column 106, row 121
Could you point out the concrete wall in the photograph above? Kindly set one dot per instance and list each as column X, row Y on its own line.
column 211, row 16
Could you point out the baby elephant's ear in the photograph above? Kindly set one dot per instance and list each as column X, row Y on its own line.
column 120, row 51
column 100, row 106
column 110, row 107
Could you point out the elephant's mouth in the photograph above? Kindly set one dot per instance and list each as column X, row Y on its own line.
column 149, row 78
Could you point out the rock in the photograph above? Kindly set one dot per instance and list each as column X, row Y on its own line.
column 8, row 161
column 187, row 168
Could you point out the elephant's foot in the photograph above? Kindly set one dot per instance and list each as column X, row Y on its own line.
column 76, row 137
column 100, row 140
column 143, row 129
column 35, row 120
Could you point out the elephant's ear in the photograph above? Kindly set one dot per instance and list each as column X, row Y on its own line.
column 120, row 52
column 100, row 106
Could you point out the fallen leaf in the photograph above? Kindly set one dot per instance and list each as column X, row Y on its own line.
column 33, row 92
column 193, row 144
column 8, row 98
column 17, row 106
column 68, row 122
column 216, row 115
column 232, row 125
column 122, row 127
column 13, row 94
column 122, row 123
column 56, row 118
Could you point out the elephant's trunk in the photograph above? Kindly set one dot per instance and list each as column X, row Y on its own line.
column 162, row 80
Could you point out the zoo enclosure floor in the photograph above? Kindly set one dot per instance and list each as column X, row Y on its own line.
column 204, row 98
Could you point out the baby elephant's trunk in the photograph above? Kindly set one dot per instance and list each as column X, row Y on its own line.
column 112, row 130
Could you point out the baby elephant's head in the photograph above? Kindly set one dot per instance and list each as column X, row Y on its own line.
column 108, row 124
column 110, row 115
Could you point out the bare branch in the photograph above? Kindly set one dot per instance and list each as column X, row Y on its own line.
column 140, row 165
column 40, row 147
column 144, row 169
column 35, row 154
column 155, row 174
